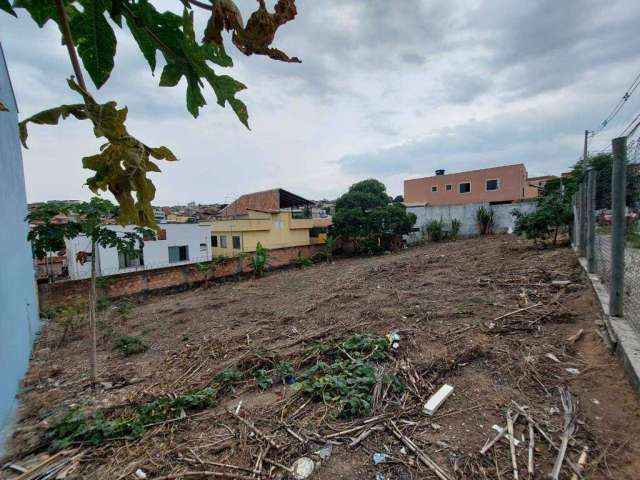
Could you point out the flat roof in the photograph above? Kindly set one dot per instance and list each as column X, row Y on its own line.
column 468, row 171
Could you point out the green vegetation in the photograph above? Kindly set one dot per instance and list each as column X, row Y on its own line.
column 259, row 260
column 552, row 214
column 209, row 268
column 263, row 379
column 438, row 230
column 227, row 377
column 76, row 427
column 486, row 220
column 367, row 216
column 85, row 219
column 300, row 261
column 345, row 374
column 329, row 248
column 455, row 228
column 128, row 345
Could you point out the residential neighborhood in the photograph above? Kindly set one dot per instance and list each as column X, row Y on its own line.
column 319, row 240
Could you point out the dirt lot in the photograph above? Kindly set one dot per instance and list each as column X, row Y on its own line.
column 444, row 300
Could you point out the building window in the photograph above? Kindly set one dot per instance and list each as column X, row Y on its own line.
column 178, row 254
column 434, row 188
column 449, row 188
column 236, row 242
column 203, row 247
column 214, row 241
column 465, row 187
column 492, row 185
column 127, row 260
column 223, row 241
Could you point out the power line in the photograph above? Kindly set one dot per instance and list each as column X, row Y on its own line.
column 618, row 106
column 630, row 128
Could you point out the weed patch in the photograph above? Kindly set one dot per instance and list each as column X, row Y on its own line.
column 345, row 374
column 130, row 345
column 76, row 427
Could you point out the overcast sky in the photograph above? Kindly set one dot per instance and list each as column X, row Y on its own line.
column 387, row 89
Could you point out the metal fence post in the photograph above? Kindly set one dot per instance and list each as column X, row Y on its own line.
column 618, row 195
column 591, row 221
column 582, row 250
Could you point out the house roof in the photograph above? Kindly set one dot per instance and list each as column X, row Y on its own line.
column 267, row 200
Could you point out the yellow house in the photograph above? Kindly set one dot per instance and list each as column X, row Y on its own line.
column 269, row 217
column 273, row 230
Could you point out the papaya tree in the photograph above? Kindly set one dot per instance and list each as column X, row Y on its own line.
column 84, row 219
column 87, row 30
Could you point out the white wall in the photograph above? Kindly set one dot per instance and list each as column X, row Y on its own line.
column 467, row 216
column 18, row 302
column 156, row 253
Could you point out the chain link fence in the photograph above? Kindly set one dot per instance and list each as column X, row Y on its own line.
column 613, row 253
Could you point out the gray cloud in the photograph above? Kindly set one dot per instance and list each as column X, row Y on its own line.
column 386, row 89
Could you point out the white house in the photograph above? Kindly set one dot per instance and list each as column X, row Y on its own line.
column 175, row 244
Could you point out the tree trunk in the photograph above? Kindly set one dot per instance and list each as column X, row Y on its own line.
column 93, row 356
column 555, row 237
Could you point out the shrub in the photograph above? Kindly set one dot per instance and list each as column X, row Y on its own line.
column 300, row 261
column 130, row 345
column 455, row 228
column 263, row 379
column 486, row 219
column 259, row 260
column 552, row 214
column 435, row 230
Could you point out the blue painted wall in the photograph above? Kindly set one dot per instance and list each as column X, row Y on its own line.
column 18, row 302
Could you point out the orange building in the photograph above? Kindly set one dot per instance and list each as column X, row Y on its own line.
column 494, row 185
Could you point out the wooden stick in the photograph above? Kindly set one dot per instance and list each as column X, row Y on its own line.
column 569, row 427
column 43, row 464
column 205, row 473
column 423, row 457
column 279, row 465
column 512, row 445
column 581, row 462
column 256, row 430
column 365, row 434
column 531, row 450
column 517, row 311
column 495, row 439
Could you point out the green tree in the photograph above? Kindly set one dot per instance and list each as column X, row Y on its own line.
column 87, row 30
column 85, row 219
column 367, row 215
column 553, row 213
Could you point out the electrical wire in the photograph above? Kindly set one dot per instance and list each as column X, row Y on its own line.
column 631, row 128
column 618, row 106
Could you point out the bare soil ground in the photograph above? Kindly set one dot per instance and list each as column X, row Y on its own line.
column 445, row 301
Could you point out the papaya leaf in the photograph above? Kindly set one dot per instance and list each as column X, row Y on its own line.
column 258, row 34
column 52, row 117
column 41, row 11
column 122, row 165
column 6, row 6
column 95, row 40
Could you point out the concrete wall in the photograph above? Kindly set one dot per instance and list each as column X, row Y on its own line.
column 145, row 281
column 156, row 252
column 511, row 180
column 18, row 305
column 467, row 216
